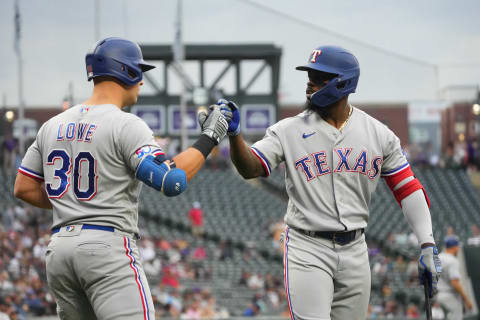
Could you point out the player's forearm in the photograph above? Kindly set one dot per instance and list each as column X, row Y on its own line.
column 244, row 160
column 36, row 196
column 416, row 212
column 190, row 161
column 457, row 286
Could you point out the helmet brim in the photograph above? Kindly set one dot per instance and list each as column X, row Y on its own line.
column 303, row 68
column 145, row 66
column 318, row 67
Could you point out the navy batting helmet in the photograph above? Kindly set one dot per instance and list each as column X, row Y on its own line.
column 337, row 61
column 118, row 58
column 451, row 241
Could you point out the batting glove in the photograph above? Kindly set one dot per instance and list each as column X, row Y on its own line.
column 231, row 112
column 213, row 124
column 429, row 268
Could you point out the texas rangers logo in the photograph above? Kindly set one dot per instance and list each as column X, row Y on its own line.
column 89, row 71
column 315, row 54
column 143, row 151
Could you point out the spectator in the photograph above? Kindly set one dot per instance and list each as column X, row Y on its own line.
column 400, row 265
column 460, row 154
column 10, row 150
column 4, row 309
column 373, row 312
column 437, row 312
column 412, row 312
column 252, row 310
column 170, row 279
column 5, row 283
column 474, row 239
column 391, row 309
column 412, row 240
column 192, row 312
column 401, row 239
column 199, row 253
column 276, row 230
column 448, row 160
column 255, row 282
column 450, row 231
column 224, row 250
column 196, row 219
column 244, row 278
column 208, row 310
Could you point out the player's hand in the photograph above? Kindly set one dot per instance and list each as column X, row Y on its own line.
column 231, row 112
column 213, row 124
column 429, row 268
column 468, row 304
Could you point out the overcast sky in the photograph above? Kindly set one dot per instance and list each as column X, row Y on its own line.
column 56, row 34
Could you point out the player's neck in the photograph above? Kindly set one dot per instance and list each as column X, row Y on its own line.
column 339, row 114
column 106, row 93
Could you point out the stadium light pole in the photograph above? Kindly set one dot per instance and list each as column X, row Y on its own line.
column 21, row 103
column 179, row 56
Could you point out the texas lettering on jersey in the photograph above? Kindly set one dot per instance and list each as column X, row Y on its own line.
column 315, row 164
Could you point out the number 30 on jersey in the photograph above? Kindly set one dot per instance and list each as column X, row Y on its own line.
column 63, row 164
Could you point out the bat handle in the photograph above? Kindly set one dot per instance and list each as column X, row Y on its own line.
column 428, row 305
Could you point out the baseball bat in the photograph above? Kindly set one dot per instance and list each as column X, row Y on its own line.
column 428, row 303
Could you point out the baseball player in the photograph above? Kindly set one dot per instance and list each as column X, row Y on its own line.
column 450, row 292
column 334, row 155
column 87, row 164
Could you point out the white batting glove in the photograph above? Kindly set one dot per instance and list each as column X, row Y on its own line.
column 429, row 268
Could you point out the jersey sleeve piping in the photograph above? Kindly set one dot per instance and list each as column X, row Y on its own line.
column 263, row 160
column 158, row 152
column 396, row 170
column 30, row 173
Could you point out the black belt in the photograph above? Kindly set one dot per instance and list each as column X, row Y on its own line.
column 339, row 237
column 86, row 226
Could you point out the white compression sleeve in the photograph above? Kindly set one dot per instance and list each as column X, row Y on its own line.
column 416, row 212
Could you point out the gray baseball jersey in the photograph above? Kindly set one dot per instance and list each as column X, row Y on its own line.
column 450, row 271
column 330, row 174
column 87, row 157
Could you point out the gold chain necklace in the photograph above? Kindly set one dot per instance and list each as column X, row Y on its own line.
column 346, row 120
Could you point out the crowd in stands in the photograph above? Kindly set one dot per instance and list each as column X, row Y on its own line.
column 457, row 155
column 178, row 261
column 170, row 263
column 24, row 236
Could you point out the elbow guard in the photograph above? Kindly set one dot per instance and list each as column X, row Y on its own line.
column 409, row 188
column 406, row 189
column 158, row 175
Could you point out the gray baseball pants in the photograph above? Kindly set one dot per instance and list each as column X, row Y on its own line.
column 452, row 304
column 97, row 274
column 324, row 280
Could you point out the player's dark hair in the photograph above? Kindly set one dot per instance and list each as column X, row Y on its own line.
column 100, row 79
